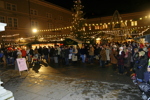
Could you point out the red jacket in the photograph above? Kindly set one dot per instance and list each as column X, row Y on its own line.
column 23, row 53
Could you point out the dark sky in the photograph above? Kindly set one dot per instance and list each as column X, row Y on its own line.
column 99, row 8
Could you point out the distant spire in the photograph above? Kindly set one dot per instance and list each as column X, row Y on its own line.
column 116, row 21
column 116, row 17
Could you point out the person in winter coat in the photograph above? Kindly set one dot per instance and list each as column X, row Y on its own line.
column 45, row 53
column 91, row 54
column 103, row 57
column 74, row 54
column 23, row 51
column 113, row 58
column 83, row 54
column 148, row 53
column 127, row 60
column 66, row 55
column 1, row 56
column 51, row 54
column 108, row 54
column 120, row 57
column 141, row 66
column 135, row 58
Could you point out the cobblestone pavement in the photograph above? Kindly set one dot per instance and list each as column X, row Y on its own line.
column 56, row 85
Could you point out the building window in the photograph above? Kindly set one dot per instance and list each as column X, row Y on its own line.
column 49, row 15
column 101, row 27
column 15, row 22
column 12, row 22
column 33, row 12
column 96, row 27
column 2, row 19
column 34, row 24
column 10, row 6
column 14, row 7
column 105, row 26
column 9, row 22
column 134, row 23
column 50, row 26
column 60, row 18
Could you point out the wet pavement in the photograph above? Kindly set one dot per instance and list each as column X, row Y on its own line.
column 74, row 82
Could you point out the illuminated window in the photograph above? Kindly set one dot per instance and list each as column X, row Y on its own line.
column 101, row 27
column 105, row 26
column 10, row 6
column 134, row 23
column 96, row 27
column 2, row 19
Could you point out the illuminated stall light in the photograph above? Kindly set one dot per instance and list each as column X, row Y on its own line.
column 146, row 17
column 90, row 28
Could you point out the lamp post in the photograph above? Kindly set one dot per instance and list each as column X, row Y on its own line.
column 35, row 31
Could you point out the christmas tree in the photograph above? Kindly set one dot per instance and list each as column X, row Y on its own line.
column 78, row 20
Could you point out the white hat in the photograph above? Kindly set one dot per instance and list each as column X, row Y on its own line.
column 145, row 49
column 121, row 48
column 141, row 53
column 114, row 46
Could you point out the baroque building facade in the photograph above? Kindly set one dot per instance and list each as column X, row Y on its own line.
column 120, row 26
column 53, row 23
column 25, row 15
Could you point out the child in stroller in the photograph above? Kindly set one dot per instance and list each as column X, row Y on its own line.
column 35, row 58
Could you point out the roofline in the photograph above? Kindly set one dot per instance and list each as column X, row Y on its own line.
column 51, row 5
column 124, row 15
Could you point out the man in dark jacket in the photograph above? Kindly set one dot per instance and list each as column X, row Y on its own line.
column 45, row 53
column 66, row 55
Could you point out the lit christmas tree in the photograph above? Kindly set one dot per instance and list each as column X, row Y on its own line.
column 78, row 20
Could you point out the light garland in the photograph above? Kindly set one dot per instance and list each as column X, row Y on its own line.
column 95, row 24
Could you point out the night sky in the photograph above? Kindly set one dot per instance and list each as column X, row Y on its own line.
column 99, row 8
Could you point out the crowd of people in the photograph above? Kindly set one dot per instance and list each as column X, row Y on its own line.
column 129, row 58
column 122, row 56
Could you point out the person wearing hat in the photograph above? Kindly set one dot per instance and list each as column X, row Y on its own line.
column 141, row 66
column 127, row 61
column 120, row 57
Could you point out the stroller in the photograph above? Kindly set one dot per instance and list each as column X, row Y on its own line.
column 35, row 60
column 144, row 87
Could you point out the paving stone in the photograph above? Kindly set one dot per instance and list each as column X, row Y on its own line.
column 41, row 86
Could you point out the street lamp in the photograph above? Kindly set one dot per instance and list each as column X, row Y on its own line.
column 34, row 30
